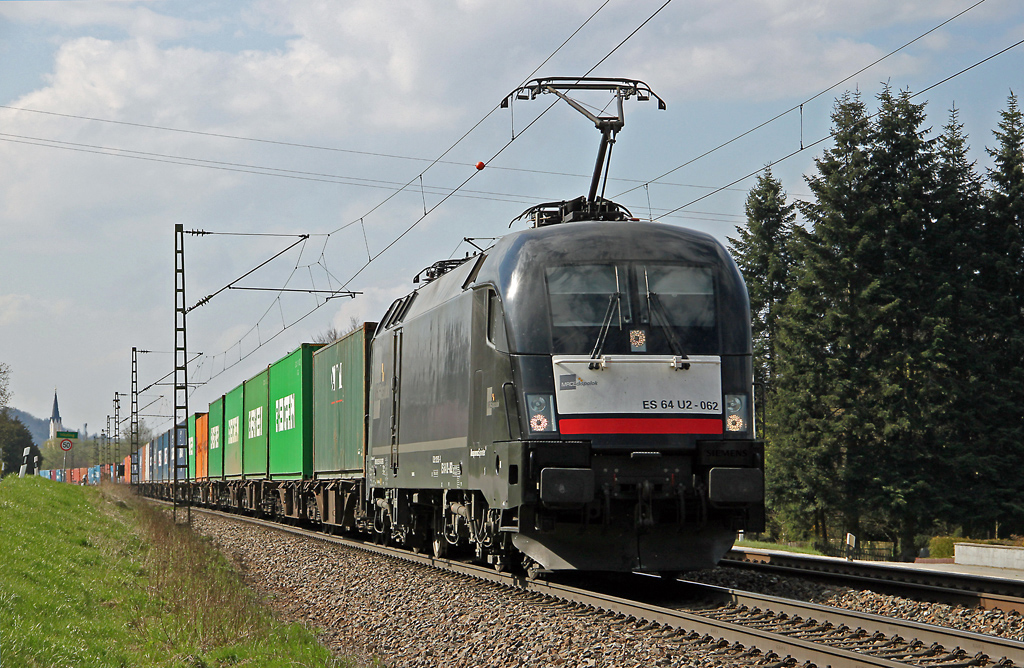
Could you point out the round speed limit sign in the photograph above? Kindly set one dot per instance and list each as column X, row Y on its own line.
column 66, row 444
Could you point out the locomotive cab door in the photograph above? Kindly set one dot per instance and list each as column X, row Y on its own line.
column 492, row 416
column 491, row 371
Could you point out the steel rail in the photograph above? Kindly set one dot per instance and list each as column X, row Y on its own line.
column 995, row 647
column 976, row 591
column 803, row 651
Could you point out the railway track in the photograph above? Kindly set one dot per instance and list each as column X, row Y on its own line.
column 973, row 591
column 746, row 629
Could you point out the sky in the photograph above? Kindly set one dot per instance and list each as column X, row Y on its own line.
column 360, row 124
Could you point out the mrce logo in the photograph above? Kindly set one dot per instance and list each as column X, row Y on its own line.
column 571, row 382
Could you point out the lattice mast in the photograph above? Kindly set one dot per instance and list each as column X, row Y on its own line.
column 133, row 474
column 182, row 500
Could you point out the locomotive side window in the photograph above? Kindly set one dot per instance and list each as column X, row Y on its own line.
column 397, row 312
column 496, row 322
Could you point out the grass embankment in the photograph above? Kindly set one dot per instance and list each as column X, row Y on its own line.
column 93, row 577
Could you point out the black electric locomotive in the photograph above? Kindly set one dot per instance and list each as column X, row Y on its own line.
column 580, row 394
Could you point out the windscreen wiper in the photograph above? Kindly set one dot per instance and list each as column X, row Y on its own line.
column 657, row 308
column 613, row 302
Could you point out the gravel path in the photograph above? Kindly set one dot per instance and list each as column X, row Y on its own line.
column 404, row 614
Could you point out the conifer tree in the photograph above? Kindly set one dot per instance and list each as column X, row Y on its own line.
column 816, row 419
column 899, row 355
column 14, row 438
column 855, row 363
column 761, row 250
column 893, row 468
column 1002, row 277
column 958, row 394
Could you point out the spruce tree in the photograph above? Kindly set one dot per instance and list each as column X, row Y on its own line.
column 817, row 417
column 958, row 396
column 1002, row 277
column 899, row 356
column 855, row 362
column 894, row 467
column 761, row 250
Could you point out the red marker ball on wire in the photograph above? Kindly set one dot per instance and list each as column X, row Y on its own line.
column 480, row 165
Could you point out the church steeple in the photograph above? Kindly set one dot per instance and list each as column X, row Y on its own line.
column 55, row 423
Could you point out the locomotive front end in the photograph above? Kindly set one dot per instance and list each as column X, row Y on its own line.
column 631, row 355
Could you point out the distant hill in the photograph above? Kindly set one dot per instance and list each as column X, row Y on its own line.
column 38, row 427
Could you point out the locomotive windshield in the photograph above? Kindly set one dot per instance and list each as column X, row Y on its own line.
column 632, row 307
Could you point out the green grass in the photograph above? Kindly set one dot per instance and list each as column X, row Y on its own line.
column 759, row 545
column 93, row 577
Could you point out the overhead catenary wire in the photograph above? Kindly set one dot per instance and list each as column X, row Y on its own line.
column 312, row 176
column 279, row 172
column 801, row 104
column 166, row 375
column 206, row 299
column 129, row 417
column 509, row 142
column 242, row 168
column 832, row 134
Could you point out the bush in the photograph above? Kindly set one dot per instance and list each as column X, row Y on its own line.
column 941, row 547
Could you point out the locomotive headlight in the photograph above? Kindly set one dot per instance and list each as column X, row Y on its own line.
column 542, row 412
column 736, row 413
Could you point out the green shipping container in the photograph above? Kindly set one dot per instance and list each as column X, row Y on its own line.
column 233, row 426
column 255, row 418
column 216, row 436
column 291, row 420
column 192, row 447
column 340, row 394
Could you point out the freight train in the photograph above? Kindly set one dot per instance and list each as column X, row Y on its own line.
column 91, row 475
column 578, row 396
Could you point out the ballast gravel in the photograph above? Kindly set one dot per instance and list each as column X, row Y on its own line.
column 993, row 622
column 405, row 614
column 395, row 613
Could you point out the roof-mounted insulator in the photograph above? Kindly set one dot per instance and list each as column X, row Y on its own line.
column 437, row 270
column 574, row 210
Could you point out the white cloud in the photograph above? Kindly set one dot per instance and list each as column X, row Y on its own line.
column 15, row 309
column 134, row 18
